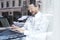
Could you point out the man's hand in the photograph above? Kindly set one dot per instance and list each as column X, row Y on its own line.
column 17, row 29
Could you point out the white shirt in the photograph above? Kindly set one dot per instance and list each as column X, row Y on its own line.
column 36, row 27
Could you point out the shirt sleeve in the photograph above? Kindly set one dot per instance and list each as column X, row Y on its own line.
column 26, row 26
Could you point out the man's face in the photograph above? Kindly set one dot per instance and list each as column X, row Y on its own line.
column 31, row 8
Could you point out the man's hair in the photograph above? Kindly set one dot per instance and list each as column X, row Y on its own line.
column 35, row 5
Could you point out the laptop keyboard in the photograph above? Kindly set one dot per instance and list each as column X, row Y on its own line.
column 10, row 35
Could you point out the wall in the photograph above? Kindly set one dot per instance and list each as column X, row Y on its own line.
column 53, row 7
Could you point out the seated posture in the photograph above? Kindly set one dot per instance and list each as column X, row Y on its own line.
column 34, row 25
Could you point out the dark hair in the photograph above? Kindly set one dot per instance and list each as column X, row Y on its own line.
column 36, row 5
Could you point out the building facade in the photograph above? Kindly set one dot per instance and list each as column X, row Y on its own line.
column 12, row 6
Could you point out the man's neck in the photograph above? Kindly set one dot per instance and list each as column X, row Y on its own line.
column 35, row 13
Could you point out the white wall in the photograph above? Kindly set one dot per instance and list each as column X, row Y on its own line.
column 56, row 27
column 47, row 6
column 53, row 7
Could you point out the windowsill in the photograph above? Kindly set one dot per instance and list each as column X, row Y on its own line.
column 11, row 7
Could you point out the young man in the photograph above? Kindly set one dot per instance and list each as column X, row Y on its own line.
column 34, row 25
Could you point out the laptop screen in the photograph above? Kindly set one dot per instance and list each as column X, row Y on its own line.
column 4, row 22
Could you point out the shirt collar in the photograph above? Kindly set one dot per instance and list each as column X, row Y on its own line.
column 38, row 13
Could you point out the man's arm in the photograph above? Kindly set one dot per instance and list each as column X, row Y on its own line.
column 17, row 29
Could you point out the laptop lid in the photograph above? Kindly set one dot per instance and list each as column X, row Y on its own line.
column 4, row 22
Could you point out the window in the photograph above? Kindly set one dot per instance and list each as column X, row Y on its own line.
column 7, row 4
column 13, row 3
column 2, row 4
column 19, row 2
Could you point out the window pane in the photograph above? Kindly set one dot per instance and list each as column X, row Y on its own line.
column 7, row 4
column 13, row 3
column 2, row 5
column 19, row 2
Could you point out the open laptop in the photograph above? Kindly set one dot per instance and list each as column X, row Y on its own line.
column 4, row 24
